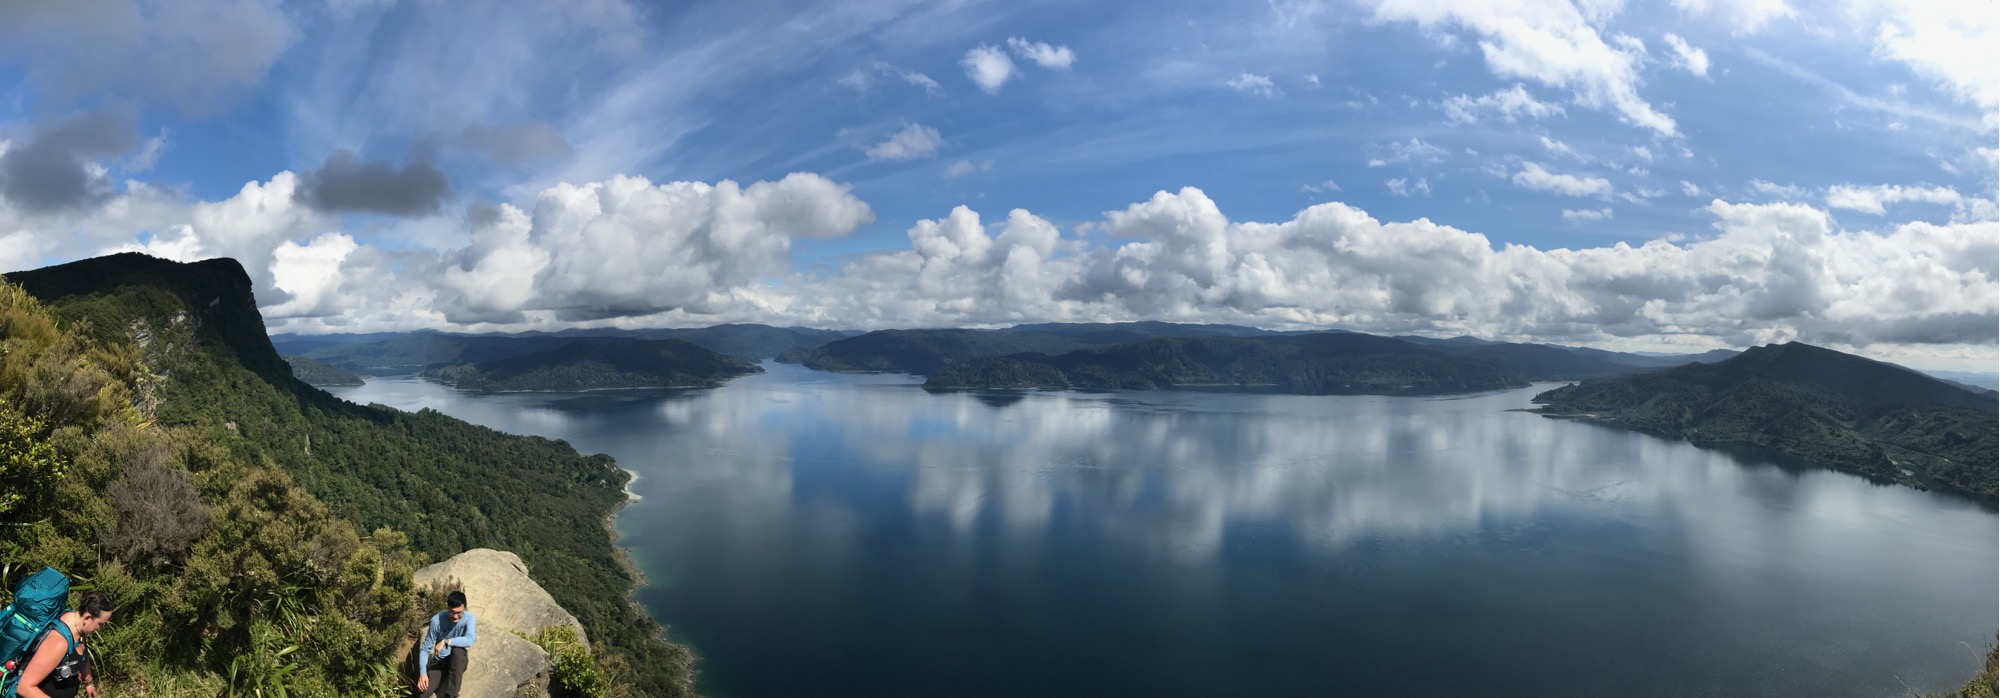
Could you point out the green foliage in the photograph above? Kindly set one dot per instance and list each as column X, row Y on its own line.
column 576, row 674
column 604, row 363
column 28, row 464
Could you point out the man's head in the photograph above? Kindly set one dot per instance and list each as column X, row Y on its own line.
column 95, row 610
column 455, row 605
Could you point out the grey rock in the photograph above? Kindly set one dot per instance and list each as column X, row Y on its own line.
column 505, row 600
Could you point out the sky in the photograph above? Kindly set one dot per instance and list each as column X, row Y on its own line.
column 1658, row 176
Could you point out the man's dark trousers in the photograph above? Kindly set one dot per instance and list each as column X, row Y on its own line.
column 447, row 673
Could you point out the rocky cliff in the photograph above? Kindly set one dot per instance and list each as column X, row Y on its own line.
column 499, row 592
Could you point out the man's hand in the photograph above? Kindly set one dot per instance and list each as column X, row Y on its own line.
column 438, row 649
column 423, row 683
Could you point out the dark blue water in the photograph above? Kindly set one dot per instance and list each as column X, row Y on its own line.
column 826, row 534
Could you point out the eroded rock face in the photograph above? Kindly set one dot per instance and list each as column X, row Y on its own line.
column 499, row 592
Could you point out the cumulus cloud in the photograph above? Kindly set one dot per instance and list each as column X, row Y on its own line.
column 346, row 184
column 1872, row 199
column 1554, row 43
column 1772, row 272
column 1044, row 55
column 58, row 168
column 1534, row 176
column 1509, row 104
column 1689, row 58
column 627, row 250
column 914, row 141
column 1413, row 150
column 1259, row 85
column 988, row 66
column 191, row 54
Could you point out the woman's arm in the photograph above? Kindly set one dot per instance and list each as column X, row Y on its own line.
column 47, row 656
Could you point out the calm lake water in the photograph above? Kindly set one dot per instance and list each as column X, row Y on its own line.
column 827, row 534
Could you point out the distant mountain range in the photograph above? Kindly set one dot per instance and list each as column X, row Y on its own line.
column 411, row 352
column 1812, row 404
column 600, row 363
column 1166, row 355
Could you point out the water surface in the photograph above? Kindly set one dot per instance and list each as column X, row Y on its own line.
column 830, row 534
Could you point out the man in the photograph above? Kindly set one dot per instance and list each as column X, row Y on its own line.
column 449, row 638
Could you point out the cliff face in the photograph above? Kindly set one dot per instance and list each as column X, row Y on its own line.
column 505, row 600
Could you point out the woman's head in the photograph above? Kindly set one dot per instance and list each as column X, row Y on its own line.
column 95, row 609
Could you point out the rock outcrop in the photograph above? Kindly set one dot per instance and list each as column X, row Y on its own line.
column 499, row 592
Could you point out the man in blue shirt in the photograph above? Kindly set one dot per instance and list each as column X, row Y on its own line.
column 447, row 641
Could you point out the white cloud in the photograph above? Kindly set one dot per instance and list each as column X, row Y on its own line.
column 1510, row 104
column 914, row 141
column 1689, row 58
column 1872, row 199
column 1772, row 272
column 1951, row 42
column 1044, row 55
column 1254, row 84
column 1312, row 80
column 1786, row 191
column 1690, row 188
column 966, row 167
column 1413, row 150
column 1643, row 152
column 988, row 66
column 1560, row 148
column 1326, row 187
column 1587, row 214
column 1743, row 16
column 1554, row 43
column 1403, row 187
column 1535, row 176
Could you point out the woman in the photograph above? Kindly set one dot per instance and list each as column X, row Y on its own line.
column 59, row 665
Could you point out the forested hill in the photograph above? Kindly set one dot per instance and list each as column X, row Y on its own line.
column 1811, row 403
column 173, row 459
column 410, row 352
column 1319, row 364
column 1132, row 355
column 606, row 363
column 316, row 373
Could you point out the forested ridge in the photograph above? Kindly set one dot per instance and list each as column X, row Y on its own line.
column 1810, row 403
column 157, row 447
column 604, row 363
column 317, row 373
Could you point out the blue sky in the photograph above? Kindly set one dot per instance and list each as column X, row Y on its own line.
column 1814, row 171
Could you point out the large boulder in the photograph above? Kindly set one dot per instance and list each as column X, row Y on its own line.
column 500, row 594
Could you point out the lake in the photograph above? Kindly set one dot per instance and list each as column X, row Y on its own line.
column 811, row 533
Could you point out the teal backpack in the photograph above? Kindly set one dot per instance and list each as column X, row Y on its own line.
column 38, row 604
